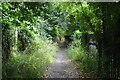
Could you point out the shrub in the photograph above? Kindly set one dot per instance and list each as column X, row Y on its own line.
column 32, row 62
column 86, row 61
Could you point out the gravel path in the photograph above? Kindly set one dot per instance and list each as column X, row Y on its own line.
column 62, row 67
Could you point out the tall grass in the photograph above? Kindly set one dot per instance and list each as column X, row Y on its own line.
column 32, row 62
column 86, row 61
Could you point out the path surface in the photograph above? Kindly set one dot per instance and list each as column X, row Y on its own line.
column 62, row 67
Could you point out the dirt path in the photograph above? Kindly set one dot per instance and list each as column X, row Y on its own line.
column 62, row 68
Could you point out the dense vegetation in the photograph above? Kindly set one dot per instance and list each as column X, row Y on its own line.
column 97, row 32
column 26, row 49
column 30, row 31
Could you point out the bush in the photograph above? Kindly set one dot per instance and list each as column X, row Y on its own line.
column 86, row 61
column 32, row 62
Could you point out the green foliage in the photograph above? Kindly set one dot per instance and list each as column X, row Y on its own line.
column 27, row 24
column 26, row 50
column 87, row 63
column 32, row 62
column 100, row 20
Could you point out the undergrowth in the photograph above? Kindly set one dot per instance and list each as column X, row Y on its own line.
column 86, row 61
column 32, row 62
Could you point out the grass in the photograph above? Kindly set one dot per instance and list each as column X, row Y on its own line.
column 87, row 63
column 32, row 62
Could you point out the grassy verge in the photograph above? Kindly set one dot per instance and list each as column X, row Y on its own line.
column 86, row 63
column 32, row 62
